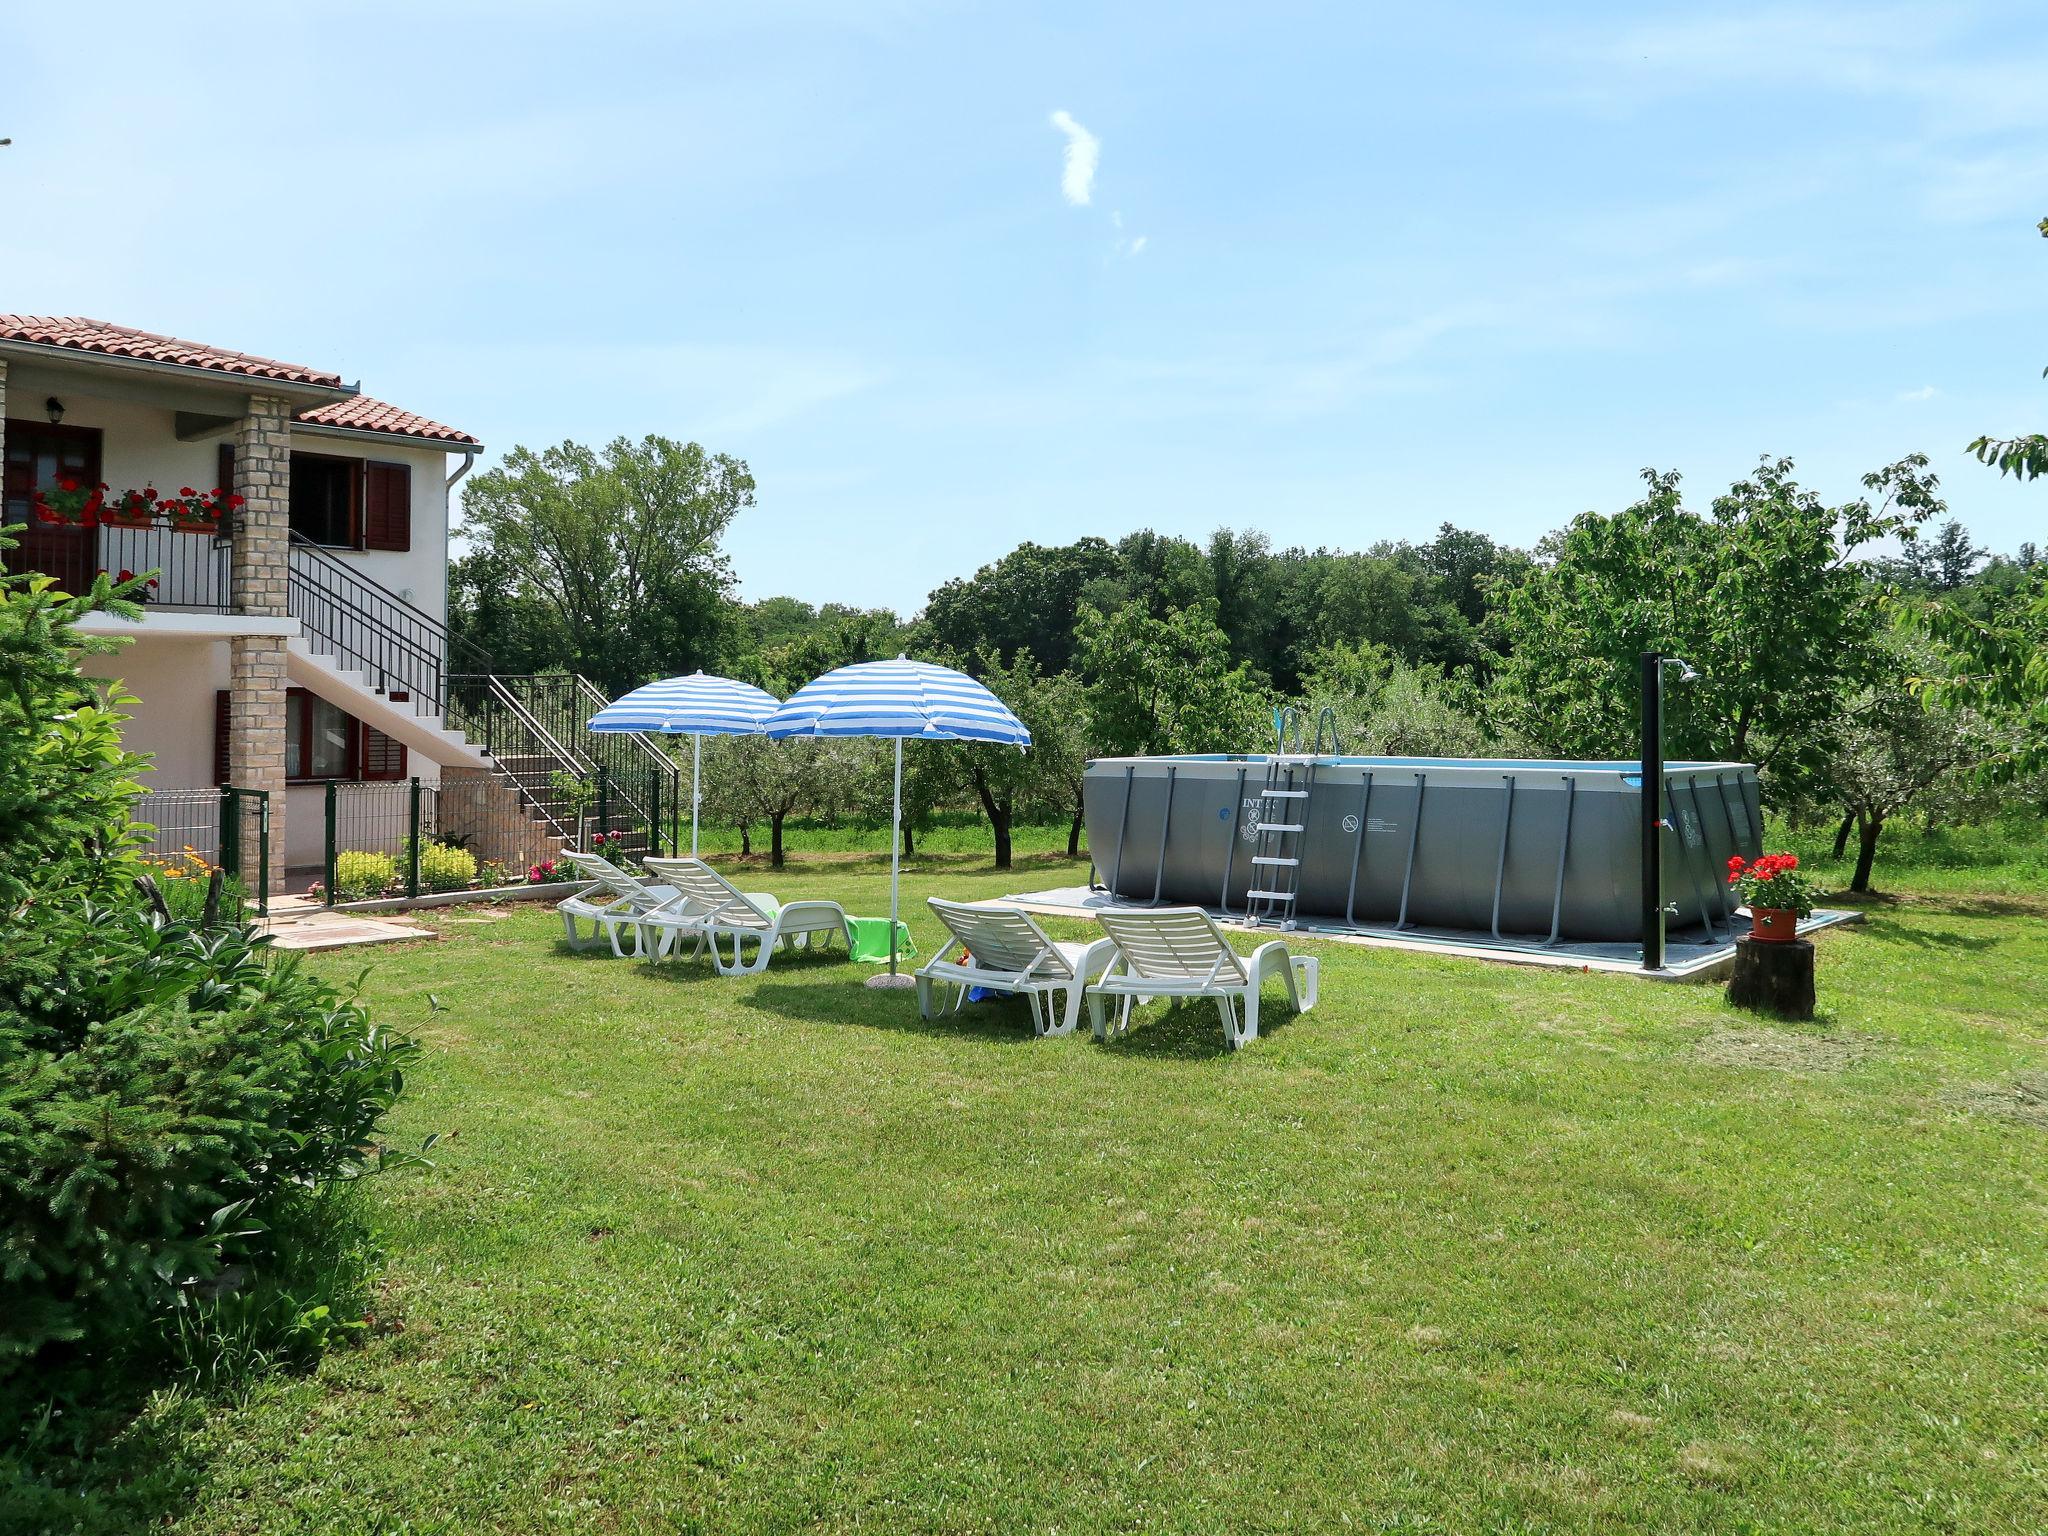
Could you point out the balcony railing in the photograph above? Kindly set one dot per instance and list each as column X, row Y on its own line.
column 190, row 565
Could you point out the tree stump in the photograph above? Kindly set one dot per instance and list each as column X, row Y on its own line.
column 1775, row 976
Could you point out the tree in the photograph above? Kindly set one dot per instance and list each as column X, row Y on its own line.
column 1944, row 563
column 1026, row 601
column 1760, row 594
column 619, row 546
column 1005, row 780
column 751, row 779
column 1383, row 707
column 1167, row 684
column 1894, row 754
column 1997, row 664
column 1999, row 660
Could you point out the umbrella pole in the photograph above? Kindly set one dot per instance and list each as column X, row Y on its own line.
column 895, row 857
column 895, row 851
column 696, row 794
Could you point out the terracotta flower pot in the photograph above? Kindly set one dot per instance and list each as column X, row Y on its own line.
column 1773, row 925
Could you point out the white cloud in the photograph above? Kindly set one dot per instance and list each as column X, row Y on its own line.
column 1924, row 392
column 1084, row 150
column 1138, row 245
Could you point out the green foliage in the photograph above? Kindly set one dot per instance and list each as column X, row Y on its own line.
column 750, row 779
column 1759, row 594
column 1167, row 684
column 66, row 782
column 186, row 899
column 159, row 1087
column 360, row 874
column 446, row 868
column 1027, row 601
column 1997, row 664
column 1892, row 754
column 616, row 550
column 1007, row 782
column 1385, row 707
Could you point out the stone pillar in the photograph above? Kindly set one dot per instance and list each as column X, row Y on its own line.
column 257, row 586
column 256, row 740
column 263, row 479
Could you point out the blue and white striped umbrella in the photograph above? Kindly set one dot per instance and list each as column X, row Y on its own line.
column 695, row 706
column 899, row 698
column 903, row 699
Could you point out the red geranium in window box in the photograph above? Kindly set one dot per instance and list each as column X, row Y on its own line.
column 131, row 509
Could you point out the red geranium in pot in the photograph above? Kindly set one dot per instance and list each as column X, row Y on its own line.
column 1776, row 894
column 71, row 503
column 131, row 509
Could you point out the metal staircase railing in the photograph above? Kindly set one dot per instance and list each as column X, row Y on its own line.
column 574, row 779
column 369, row 628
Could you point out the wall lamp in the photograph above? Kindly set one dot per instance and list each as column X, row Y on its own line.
column 54, row 409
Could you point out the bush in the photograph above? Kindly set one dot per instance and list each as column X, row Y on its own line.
column 171, row 1098
column 359, row 875
column 446, row 868
column 183, row 883
column 163, row 1091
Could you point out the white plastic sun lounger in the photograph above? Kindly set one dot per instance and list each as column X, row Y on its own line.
column 1011, row 953
column 709, row 907
column 1179, row 952
column 615, row 899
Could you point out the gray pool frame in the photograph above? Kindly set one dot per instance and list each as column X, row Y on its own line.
column 1527, row 852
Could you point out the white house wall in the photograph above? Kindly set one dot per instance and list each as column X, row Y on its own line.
column 174, row 679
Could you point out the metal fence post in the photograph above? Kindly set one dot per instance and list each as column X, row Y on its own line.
column 230, row 830
column 412, row 838
column 262, row 853
column 654, row 810
column 327, row 856
column 604, row 809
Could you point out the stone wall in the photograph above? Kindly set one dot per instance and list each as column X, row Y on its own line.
column 261, row 565
column 263, row 478
column 486, row 814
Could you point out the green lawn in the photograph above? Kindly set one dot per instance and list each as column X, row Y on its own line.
column 1467, row 1248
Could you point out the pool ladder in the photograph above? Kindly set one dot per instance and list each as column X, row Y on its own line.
column 1283, row 829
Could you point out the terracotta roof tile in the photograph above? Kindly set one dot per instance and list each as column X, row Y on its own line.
column 83, row 335
column 362, row 414
column 359, row 414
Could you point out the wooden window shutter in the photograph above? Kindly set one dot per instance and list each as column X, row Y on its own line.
column 387, row 506
column 222, row 730
column 225, row 481
column 382, row 758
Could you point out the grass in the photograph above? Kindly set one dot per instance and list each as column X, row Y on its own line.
column 1467, row 1248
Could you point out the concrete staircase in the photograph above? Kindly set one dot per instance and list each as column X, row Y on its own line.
column 396, row 714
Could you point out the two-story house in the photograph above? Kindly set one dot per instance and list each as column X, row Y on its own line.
column 298, row 640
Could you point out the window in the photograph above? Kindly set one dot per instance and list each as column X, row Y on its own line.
column 325, row 498
column 319, row 738
column 322, row 741
column 350, row 503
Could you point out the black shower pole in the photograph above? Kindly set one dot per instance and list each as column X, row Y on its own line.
column 1652, row 810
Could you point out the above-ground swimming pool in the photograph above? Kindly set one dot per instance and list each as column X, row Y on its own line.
column 1542, row 850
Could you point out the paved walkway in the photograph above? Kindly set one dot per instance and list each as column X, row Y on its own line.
column 297, row 923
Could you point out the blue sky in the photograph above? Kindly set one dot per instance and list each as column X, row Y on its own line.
column 1343, row 272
